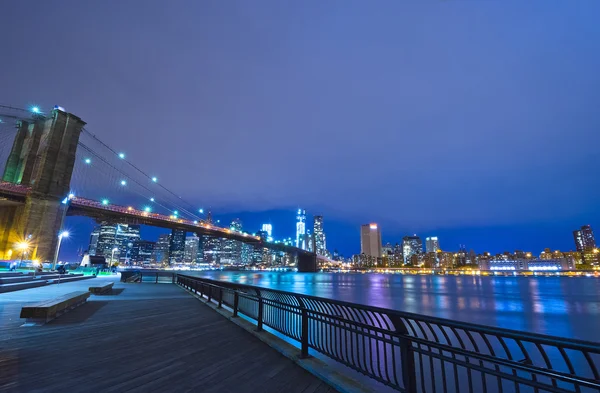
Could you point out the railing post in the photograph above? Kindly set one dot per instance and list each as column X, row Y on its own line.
column 407, row 356
column 209, row 293
column 156, row 278
column 259, row 322
column 304, row 334
column 236, row 302
column 173, row 278
column 220, row 298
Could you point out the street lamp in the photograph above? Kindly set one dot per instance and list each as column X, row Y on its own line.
column 23, row 246
column 112, row 255
column 61, row 235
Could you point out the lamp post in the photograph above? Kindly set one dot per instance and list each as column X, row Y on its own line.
column 60, row 237
column 112, row 256
column 23, row 246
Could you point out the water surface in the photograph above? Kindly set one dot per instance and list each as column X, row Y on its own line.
column 560, row 306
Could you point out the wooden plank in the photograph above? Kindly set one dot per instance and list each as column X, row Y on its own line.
column 152, row 337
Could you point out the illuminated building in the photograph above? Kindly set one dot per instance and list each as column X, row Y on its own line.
column 231, row 251
column 142, row 251
column 119, row 236
column 534, row 265
column 370, row 240
column 190, row 254
column 432, row 244
column 411, row 245
column 94, row 241
column 177, row 246
column 300, row 229
column 320, row 243
column 269, row 229
column 584, row 238
column 161, row 249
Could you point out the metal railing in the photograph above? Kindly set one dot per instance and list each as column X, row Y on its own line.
column 141, row 276
column 411, row 352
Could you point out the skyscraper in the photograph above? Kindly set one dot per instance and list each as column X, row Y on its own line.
column 94, row 241
column 584, row 238
column 411, row 245
column 231, row 251
column 116, row 236
column 269, row 229
column 161, row 249
column 177, row 246
column 300, row 228
column 432, row 244
column 190, row 253
column 370, row 240
column 319, row 235
column 142, row 251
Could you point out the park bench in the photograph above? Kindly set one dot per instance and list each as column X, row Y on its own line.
column 102, row 289
column 50, row 309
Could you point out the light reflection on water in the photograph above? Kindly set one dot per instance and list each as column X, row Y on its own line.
column 561, row 306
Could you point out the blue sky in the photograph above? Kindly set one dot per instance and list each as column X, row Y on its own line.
column 473, row 120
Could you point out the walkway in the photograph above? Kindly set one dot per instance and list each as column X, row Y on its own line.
column 144, row 338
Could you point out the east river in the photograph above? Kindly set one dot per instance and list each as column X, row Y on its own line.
column 559, row 306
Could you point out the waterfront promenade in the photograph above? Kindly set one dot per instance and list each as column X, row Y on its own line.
column 142, row 338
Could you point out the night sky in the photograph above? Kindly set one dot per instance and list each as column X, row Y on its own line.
column 476, row 121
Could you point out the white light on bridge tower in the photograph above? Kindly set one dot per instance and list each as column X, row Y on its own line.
column 301, row 229
column 105, row 202
column 123, row 182
column 147, row 209
column 35, row 109
column 121, row 155
column 151, row 199
column 154, row 179
column 88, row 160
column 201, row 211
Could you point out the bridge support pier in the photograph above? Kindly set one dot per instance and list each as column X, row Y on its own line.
column 307, row 263
column 42, row 157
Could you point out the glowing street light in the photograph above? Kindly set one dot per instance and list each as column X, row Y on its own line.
column 147, row 209
column 123, row 182
column 201, row 211
column 112, row 255
column 23, row 247
column 121, row 155
column 88, row 161
column 176, row 212
column 62, row 235
column 105, row 202
column 154, row 179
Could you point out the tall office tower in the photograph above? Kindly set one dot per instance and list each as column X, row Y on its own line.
column 300, row 228
column 411, row 245
column 370, row 240
column 177, row 246
column 246, row 254
column 94, row 241
column 190, row 254
column 584, row 238
column 106, row 241
column 319, row 235
column 126, row 235
column 269, row 229
column 212, row 249
column 432, row 244
column 142, row 251
column 161, row 249
column 231, row 250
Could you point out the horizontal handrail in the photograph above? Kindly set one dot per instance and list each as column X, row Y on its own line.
column 412, row 352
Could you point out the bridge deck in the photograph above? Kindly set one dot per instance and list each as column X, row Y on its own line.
column 146, row 337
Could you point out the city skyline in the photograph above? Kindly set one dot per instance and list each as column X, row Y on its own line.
column 565, row 243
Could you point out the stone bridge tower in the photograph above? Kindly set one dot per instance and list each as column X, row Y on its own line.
column 42, row 157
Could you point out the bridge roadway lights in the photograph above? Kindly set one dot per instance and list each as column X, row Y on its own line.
column 307, row 263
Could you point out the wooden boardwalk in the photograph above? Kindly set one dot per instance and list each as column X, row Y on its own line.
column 143, row 338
